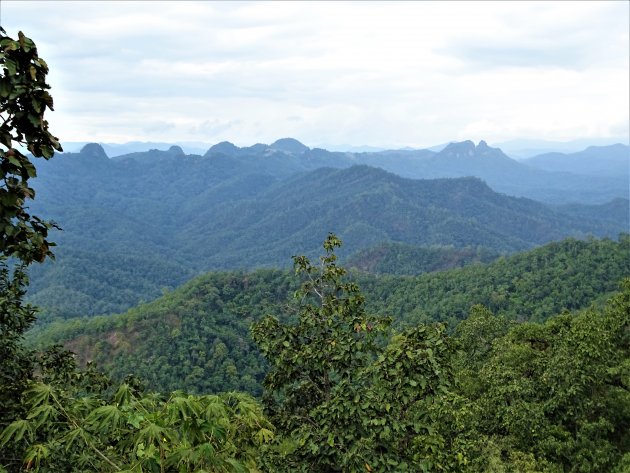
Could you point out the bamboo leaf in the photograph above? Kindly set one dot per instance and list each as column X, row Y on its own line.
column 15, row 431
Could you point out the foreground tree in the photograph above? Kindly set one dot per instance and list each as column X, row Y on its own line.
column 76, row 422
column 550, row 397
column 341, row 398
column 24, row 99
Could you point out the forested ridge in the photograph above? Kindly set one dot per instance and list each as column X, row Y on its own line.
column 196, row 337
column 401, row 259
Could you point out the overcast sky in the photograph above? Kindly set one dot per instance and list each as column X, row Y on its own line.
column 382, row 74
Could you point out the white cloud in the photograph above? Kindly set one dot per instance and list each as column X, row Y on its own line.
column 375, row 73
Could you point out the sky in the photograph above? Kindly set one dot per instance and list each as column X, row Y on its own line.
column 382, row 74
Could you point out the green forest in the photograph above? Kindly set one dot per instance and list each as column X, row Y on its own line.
column 122, row 243
column 343, row 389
column 481, row 333
column 197, row 337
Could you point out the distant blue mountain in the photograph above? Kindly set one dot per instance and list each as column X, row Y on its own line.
column 592, row 176
column 118, row 149
column 527, row 148
column 612, row 160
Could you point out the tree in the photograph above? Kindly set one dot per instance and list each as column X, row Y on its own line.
column 24, row 99
column 552, row 396
column 340, row 397
column 78, row 423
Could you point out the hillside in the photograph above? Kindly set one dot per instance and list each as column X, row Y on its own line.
column 197, row 337
column 532, row 285
column 401, row 259
column 144, row 213
column 366, row 206
column 614, row 211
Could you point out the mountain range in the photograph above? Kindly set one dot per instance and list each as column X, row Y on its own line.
column 608, row 161
column 516, row 149
column 527, row 148
column 154, row 219
column 594, row 175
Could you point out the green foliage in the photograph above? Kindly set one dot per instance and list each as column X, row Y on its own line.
column 332, row 340
column 344, row 393
column 557, row 393
column 81, row 283
column 23, row 237
column 342, row 401
column 196, row 337
column 24, row 99
column 15, row 318
column 533, row 285
column 80, row 423
column 400, row 259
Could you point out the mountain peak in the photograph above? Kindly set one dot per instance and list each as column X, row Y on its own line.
column 224, row 147
column 467, row 149
column 459, row 149
column 93, row 150
column 176, row 150
column 290, row 145
column 483, row 149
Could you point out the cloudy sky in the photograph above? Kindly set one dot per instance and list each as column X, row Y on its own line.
column 381, row 74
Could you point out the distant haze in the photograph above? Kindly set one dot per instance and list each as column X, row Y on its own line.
column 340, row 74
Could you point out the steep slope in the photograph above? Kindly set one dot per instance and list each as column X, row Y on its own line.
column 196, row 338
column 366, row 206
